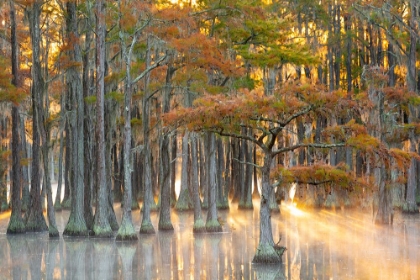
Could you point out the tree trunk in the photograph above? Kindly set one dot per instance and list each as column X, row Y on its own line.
column 165, row 222
column 101, row 226
column 87, row 80
column 212, row 224
column 266, row 251
column 16, row 224
column 199, row 225
column 146, row 225
column 184, row 199
column 76, row 225
column 35, row 220
column 66, row 202
column 57, row 204
column 126, row 230
column 222, row 194
column 174, row 148
column 410, row 205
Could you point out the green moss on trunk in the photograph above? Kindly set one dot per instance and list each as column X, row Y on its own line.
column 165, row 226
column 410, row 208
column 73, row 229
column 126, row 236
column 199, row 226
column 53, row 232
column 184, row 202
column 102, row 232
column 36, row 224
column 16, row 225
column 213, row 226
column 66, row 203
column 147, row 228
column 266, row 254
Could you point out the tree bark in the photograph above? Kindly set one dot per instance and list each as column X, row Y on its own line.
column 212, row 223
column 101, row 226
column 184, row 199
column 165, row 222
column 35, row 220
column 76, row 225
column 16, row 224
column 266, row 252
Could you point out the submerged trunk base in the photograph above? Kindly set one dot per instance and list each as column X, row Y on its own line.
column 147, row 228
column 102, row 232
column 126, row 233
column 267, row 254
column 213, row 226
column 167, row 226
column 199, row 226
column 410, row 208
column 53, row 232
column 16, row 225
column 74, row 228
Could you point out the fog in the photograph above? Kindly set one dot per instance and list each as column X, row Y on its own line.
column 341, row 244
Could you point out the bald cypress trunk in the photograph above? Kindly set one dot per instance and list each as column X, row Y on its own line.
column 184, row 199
column 199, row 225
column 101, row 226
column 76, row 225
column 146, row 224
column 16, row 224
column 410, row 205
column 35, row 220
column 266, row 252
column 212, row 224
column 165, row 222
column 126, row 230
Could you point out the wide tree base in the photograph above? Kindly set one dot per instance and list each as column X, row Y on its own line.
column 127, row 237
column 126, row 230
column 165, row 226
column 147, row 228
column 53, row 232
column 75, row 229
column 213, row 226
column 102, row 232
column 199, row 226
column 16, row 225
column 182, row 207
column 36, row 223
column 267, row 254
column 410, row 208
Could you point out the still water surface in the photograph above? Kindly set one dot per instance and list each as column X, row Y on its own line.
column 320, row 245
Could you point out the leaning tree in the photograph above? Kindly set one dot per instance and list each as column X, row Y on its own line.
column 269, row 118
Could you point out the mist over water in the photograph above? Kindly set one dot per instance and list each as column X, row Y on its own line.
column 341, row 244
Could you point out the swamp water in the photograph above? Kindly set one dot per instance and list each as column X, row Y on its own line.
column 320, row 245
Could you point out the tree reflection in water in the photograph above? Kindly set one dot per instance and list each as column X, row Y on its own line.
column 320, row 245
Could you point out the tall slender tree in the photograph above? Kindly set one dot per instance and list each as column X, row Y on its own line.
column 35, row 219
column 76, row 225
column 101, row 226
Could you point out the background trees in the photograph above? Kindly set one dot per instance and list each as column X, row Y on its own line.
column 318, row 87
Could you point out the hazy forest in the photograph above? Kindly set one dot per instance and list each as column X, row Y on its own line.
column 190, row 105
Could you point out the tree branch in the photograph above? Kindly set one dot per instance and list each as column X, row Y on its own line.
column 307, row 145
column 148, row 69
